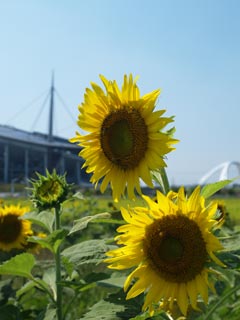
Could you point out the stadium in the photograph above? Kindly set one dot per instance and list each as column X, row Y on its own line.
column 24, row 153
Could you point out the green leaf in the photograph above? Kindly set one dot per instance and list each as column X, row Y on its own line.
column 56, row 238
column 83, row 222
column 160, row 177
column 50, row 313
column 79, row 196
column 115, row 307
column 231, row 243
column 25, row 288
column 231, row 259
column 49, row 277
column 44, row 219
column 43, row 242
column 43, row 285
column 85, row 283
column 220, row 302
column 96, row 277
column 29, row 285
column 112, row 221
column 68, row 266
column 10, row 312
column 20, row 265
column 159, row 316
column 51, row 242
column 90, row 251
column 210, row 189
column 104, row 310
column 116, row 282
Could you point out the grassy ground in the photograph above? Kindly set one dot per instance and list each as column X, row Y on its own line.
column 95, row 204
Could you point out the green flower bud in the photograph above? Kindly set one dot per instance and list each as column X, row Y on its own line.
column 49, row 191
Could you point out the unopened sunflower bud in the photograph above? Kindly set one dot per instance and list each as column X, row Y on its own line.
column 49, row 191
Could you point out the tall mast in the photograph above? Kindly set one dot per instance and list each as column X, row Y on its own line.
column 50, row 127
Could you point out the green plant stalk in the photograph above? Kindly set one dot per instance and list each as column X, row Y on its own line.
column 70, row 304
column 58, row 267
column 165, row 182
column 220, row 302
column 43, row 288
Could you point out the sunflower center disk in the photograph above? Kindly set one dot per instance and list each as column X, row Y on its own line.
column 124, row 138
column 10, row 228
column 121, row 139
column 175, row 248
column 170, row 249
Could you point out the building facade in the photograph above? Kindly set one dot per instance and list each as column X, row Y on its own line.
column 23, row 153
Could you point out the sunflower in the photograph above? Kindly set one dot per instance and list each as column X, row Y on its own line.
column 50, row 190
column 221, row 213
column 171, row 246
column 13, row 230
column 125, row 140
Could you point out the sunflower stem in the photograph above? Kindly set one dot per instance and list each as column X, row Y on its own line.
column 220, row 302
column 165, row 182
column 58, row 267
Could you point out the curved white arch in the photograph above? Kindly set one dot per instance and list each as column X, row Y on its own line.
column 223, row 170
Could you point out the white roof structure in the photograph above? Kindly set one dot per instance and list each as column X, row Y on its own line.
column 36, row 138
column 222, row 171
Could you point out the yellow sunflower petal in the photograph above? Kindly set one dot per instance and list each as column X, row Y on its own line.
column 202, row 287
column 193, row 293
column 182, row 298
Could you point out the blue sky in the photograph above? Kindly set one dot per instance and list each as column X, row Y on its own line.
column 190, row 49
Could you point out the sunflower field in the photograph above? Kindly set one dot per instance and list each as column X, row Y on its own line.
column 169, row 254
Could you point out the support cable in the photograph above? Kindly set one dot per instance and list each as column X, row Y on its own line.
column 26, row 107
column 65, row 106
column 40, row 111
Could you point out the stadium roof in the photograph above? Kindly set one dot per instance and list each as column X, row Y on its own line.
column 36, row 138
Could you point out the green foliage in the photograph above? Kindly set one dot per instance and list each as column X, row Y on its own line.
column 104, row 310
column 210, row 189
column 20, row 265
column 233, row 208
column 44, row 219
column 87, row 252
column 90, row 290
column 83, row 222
column 10, row 312
column 114, row 281
column 52, row 241
column 49, row 277
column 160, row 177
column 231, row 243
column 50, row 314
column 116, row 307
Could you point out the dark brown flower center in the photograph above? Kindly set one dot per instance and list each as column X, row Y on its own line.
column 10, row 228
column 175, row 248
column 124, row 138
